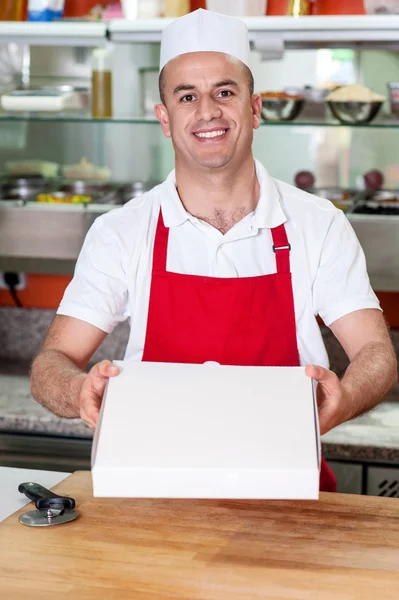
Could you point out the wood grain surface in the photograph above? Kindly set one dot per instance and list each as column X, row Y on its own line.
column 341, row 547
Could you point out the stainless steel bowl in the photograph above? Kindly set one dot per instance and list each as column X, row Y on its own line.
column 385, row 196
column 100, row 193
column 353, row 113
column 134, row 190
column 22, row 188
column 281, row 109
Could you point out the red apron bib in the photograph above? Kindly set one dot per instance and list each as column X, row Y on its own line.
column 246, row 321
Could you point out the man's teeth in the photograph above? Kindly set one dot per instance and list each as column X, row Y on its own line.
column 211, row 134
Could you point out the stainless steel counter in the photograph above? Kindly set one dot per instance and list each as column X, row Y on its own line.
column 48, row 238
column 379, row 238
column 43, row 239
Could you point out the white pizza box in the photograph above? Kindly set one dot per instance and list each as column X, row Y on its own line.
column 207, row 431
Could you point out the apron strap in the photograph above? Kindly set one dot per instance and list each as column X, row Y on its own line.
column 160, row 245
column 281, row 248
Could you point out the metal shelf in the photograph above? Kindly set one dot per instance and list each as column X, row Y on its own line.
column 272, row 34
column 71, row 117
column 140, row 120
column 268, row 34
column 63, row 33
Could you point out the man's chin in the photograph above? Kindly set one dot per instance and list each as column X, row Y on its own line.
column 212, row 162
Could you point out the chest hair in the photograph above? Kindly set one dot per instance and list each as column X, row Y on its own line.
column 224, row 220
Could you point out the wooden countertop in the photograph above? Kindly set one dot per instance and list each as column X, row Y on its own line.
column 341, row 547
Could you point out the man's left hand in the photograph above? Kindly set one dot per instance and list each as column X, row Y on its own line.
column 332, row 398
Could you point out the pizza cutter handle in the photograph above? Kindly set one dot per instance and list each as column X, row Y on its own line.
column 43, row 498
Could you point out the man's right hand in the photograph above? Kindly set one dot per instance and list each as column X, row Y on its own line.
column 92, row 391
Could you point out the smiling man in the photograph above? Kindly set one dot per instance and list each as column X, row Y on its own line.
column 220, row 262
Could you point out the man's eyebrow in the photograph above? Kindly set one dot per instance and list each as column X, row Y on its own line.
column 225, row 82
column 183, row 88
column 186, row 87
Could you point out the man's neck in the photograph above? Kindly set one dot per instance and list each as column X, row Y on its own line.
column 219, row 197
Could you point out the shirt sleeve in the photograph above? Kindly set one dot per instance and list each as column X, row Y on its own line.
column 98, row 292
column 342, row 285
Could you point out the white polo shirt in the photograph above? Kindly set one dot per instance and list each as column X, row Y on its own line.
column 113, row 273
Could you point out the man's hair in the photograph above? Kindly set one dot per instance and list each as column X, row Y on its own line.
column 247, row 71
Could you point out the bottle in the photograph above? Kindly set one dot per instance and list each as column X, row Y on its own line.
column 196, row 4
column 177, row 8
column 78, row 8
column 13, row 10
column 276, row 7
column 101, row 84
column 299, row 8
column 339, row 7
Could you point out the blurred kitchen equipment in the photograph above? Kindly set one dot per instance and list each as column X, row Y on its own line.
column 46, row 98
column 87, row 171
column 393, row 89
column 352, row 113
column 338, row 7
column 99, row 193
column 13, row 10
column 50, row 508
column 344, row 199
column 142, row 9
column 284, row 108
column 384, row 196
column 22, row 188
column 314, row 105
column 238, row 8
column 101, row 91
column 381, row 203
column 381, row 7
column 34, row 167
column 176, row 8
column 299, row 8
column 134, row 190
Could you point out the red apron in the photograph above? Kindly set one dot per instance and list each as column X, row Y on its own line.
column 247, row 321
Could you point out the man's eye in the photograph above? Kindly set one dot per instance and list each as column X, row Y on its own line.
column 225, row 93
column 187, row 98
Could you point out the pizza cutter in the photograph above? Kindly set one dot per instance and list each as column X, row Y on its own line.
column 51, row 509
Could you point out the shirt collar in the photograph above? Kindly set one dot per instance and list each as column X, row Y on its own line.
column 268, row 213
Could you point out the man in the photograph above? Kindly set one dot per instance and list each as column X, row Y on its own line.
column 202, row 264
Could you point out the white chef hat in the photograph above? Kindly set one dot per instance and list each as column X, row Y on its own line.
column 205, row 31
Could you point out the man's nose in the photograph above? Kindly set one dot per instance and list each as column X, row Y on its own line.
column 208, row 109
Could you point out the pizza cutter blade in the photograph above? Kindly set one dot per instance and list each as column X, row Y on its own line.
column 42, row 518
column 50, row 508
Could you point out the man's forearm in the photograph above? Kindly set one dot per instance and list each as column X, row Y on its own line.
column 56, row 383
column 370, row 376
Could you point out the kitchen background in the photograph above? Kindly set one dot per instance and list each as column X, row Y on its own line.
column 41, row 229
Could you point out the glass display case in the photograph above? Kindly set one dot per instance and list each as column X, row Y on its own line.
column 43, row 223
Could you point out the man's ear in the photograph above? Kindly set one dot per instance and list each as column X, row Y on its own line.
column 256, row 102
column 162, row 115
